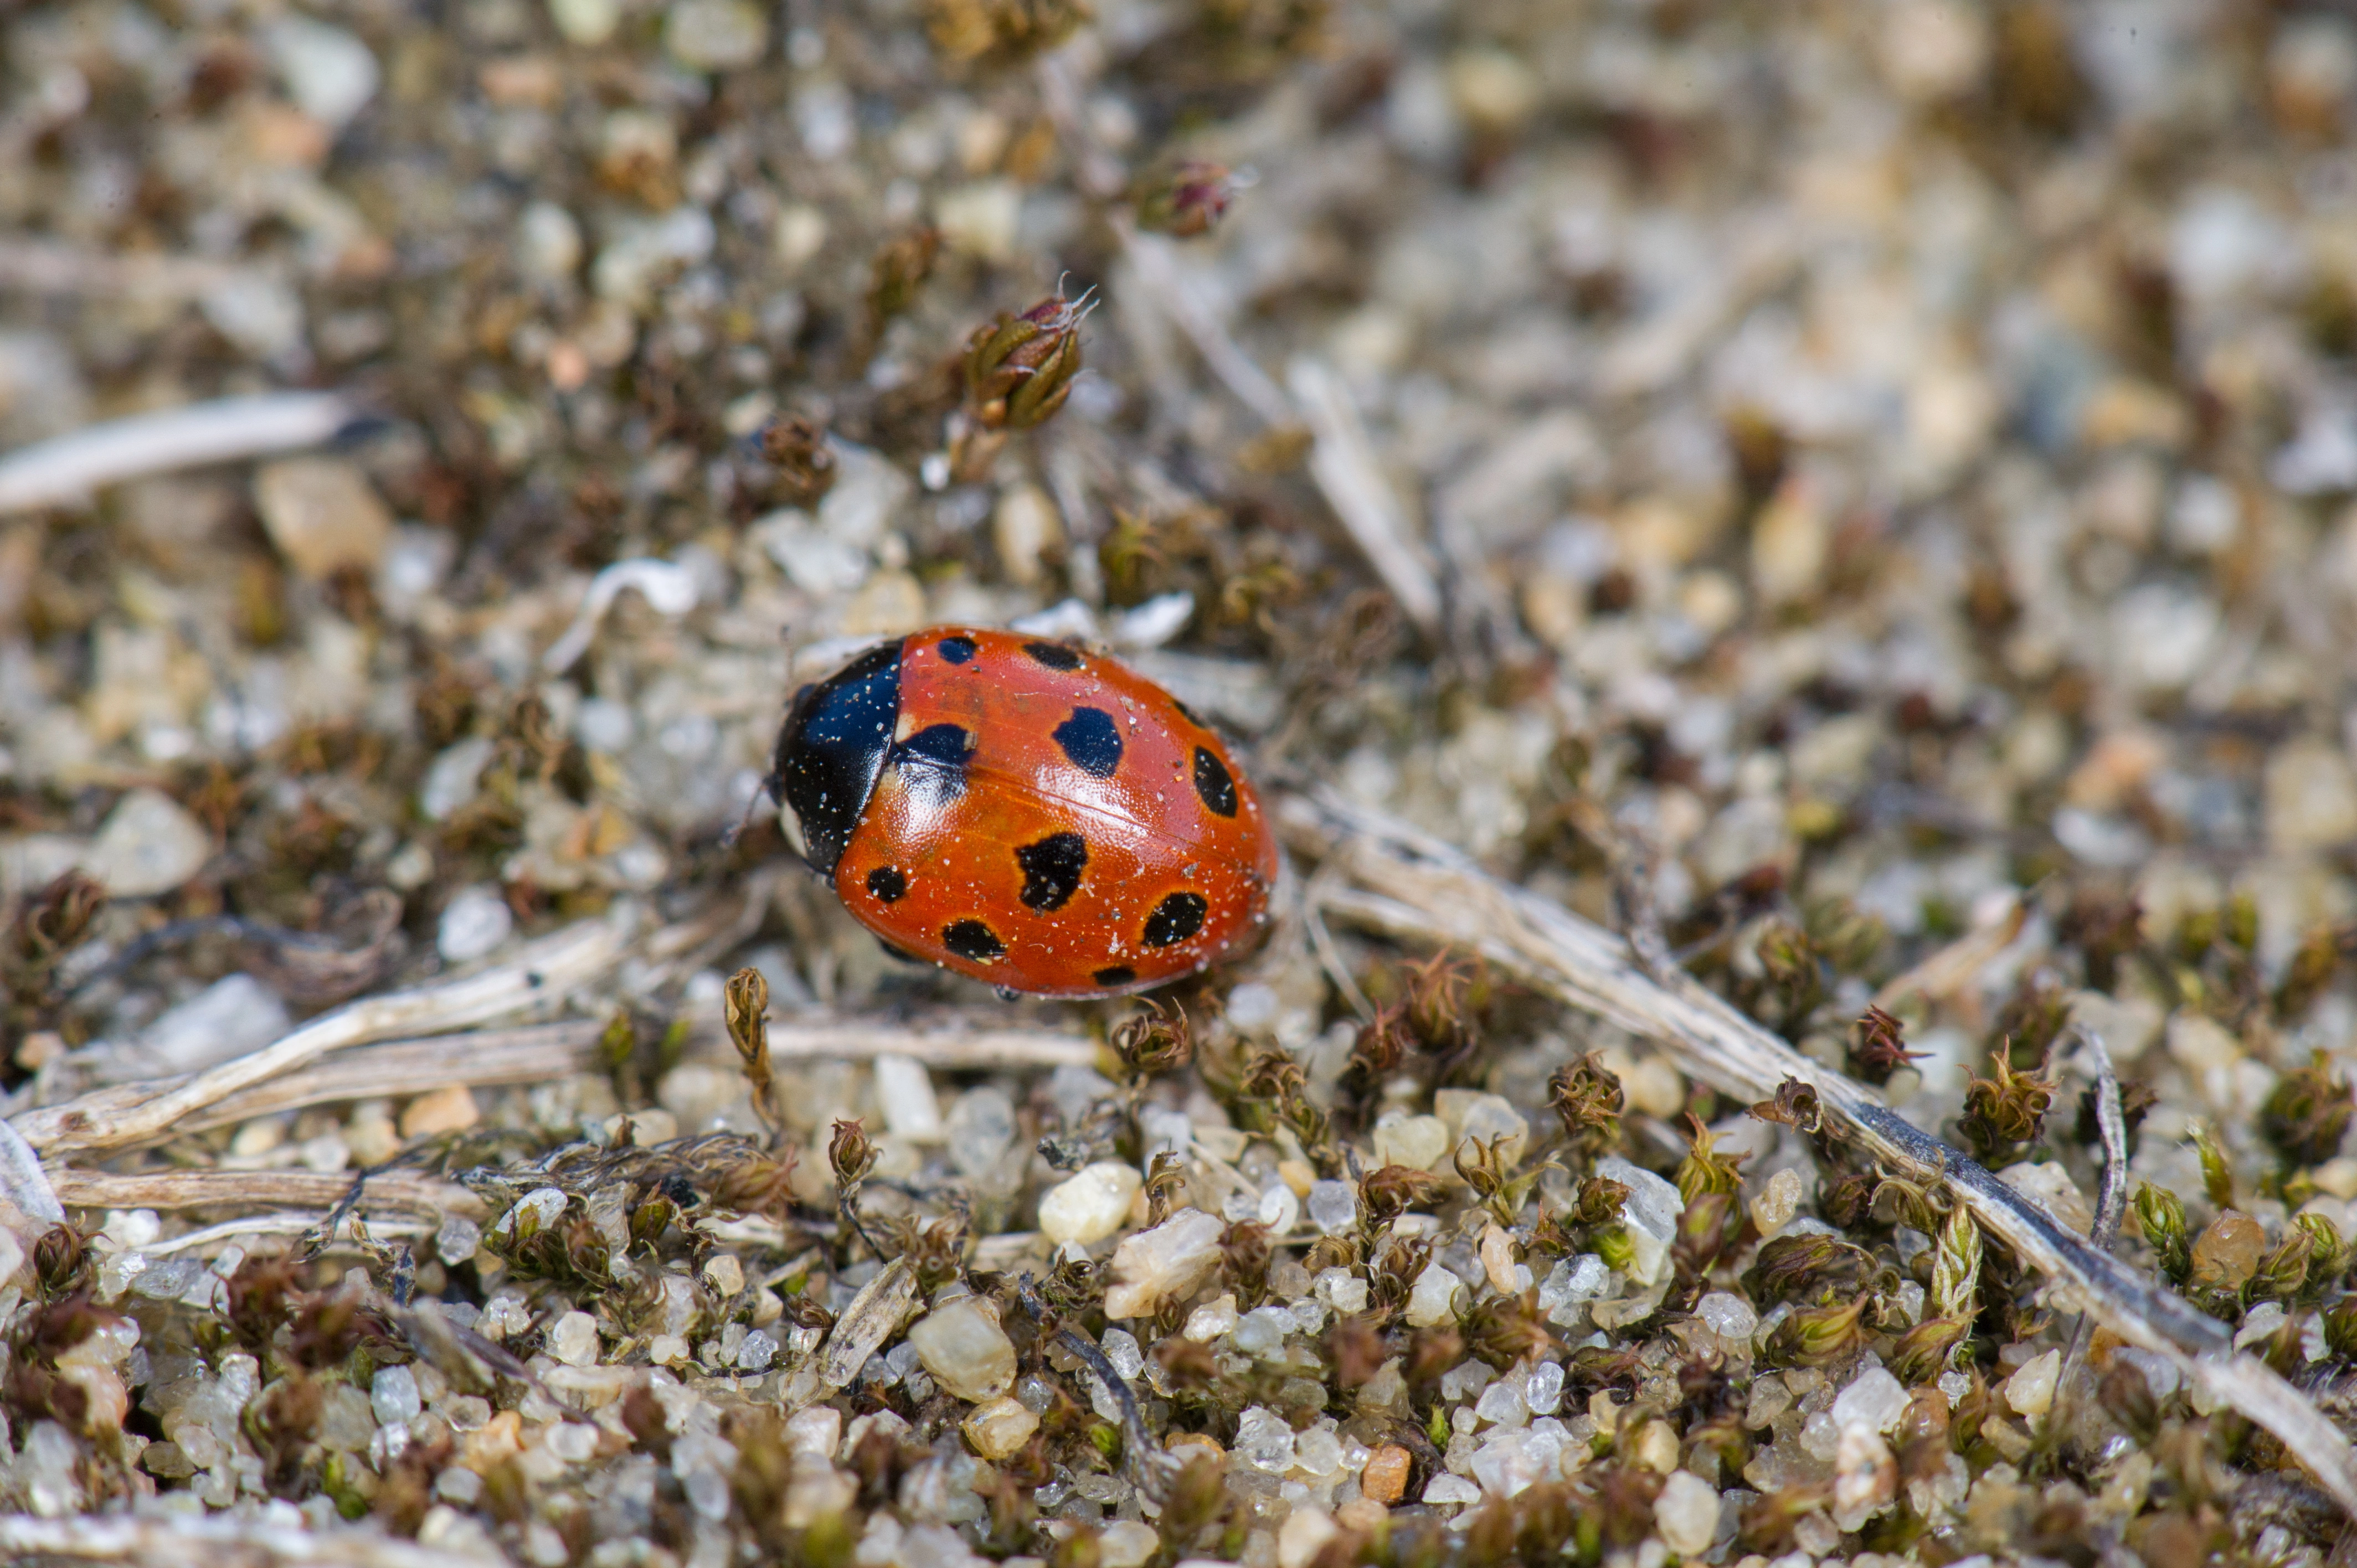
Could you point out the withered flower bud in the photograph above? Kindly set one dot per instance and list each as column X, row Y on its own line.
column 1616, row 1247
column 56, row 1258
column 795, row 445
column 2307, row 1112
column 2329, row 1259
column 745, row 1005
column 1816, row 1335
column 1880, row 1049
column 2340, row 1328
column 1154, row 1041
column 1795, row 1106
column 1600, row 1201
column 849, row 1151
column 1705, row 1169
column 1794, row 970
column 1388, row 1193
column 1185, row 200
column 2003, row 1114
column 1446, row 994
column 2309, row 973
column 897, row 272
column 1587, row 1097
column 2127, row 1398
column 1805, row 1266
column 1019, row 371
column 2217, row 1171
column 1921, row 1353
column 2161, row 1217
column 2283, row 1271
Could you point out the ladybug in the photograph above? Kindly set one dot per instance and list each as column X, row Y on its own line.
column 1024, row 812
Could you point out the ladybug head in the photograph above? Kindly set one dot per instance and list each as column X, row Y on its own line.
column 831, row 750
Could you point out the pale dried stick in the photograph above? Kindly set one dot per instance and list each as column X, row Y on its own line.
column 978, row 1050
column 259, row 1225
column 220, row 1540
column 47, row 267
column 1413, row 886
column 477, row 1059
column 66, row 468
column 404, row 1191
column 1344, row 465
column 540, row 973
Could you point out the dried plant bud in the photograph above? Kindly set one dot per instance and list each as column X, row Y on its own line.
column 1705, row 1169
column 2330, row 1257
column 1185, row 200
column 2003, row 1114
column 795, row 445
column 2307, row 1112
column 2126, row 1397
column 1879, row 1048
column 1019, row 371
column 1445, row 996
column 1816, row 1335
column 1794, row 970
column 1807, row 1266
column 2340, row 1328
column 746, row 1009
column 1923, row 1352
column 895, row 273
column 1601, row 1201
column 2217, row 1171
column 1357, row 1349
column 850, row 1153
column 1616, row 1247
column 1956, row 1267
column 1166, row 1178
column 1393, row 1190
column 1795, row 1106
column 48, row 924
column 1587, row 1097
column 1710, row 1221
column 2283, row 1269
column 1502, row 1330
column 2310, row 972
column 2161, row 1217
column 1153, row 1040
column 2033, row 1018
column 2104, row 931
column 1004, row 31
column 58, row 1259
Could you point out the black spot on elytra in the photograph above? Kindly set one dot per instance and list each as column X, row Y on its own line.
column 1052, row 870
column 1214, row 783
column 1118, row 974
column 1091, row 740
column 932, row 763
column 1054, row 655
column 973, row 940
column 1177, row 918
column 957, row 649
column 887, row 884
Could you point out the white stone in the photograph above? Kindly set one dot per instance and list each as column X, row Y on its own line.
column 330, row 74
column 1483, row 1118
column 961, row 1345
column 1874, row 1399
column 393, row 1395
column 585, row 22
column 905, row 1092
column 1444, row 1490
column 1333, row 1206
column 1264, row 1440
column 474, row 923
column 1343, row 1290
column 2031, row 1390
column 573, row 1339
column 1502, row 1404
column 147, row 845
column 1652, row 1205
column 1433, row 1301
column 1169, row 1262
column 1127, row 1543
column 1303, row 1535
column 1777, row 1203
column 715, row 35
column 322, row 515
column 1000, row 1427
column 1208, row 1321
column 1686, row 1513
column 234, row 1016
column 1729, row 1316
column 1280, row 1209
column 1418, row 1143
column 1543, row 1389
column 1091, row 1205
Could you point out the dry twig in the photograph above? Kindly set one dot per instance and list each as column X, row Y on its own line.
column 66, row 469
column 541, row 972
column 403, row 1190
column 215, row 1541
column 1410, row 884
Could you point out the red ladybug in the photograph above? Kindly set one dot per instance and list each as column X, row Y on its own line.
column 1026, row 813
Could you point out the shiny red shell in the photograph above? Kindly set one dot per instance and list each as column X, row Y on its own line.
column 1042, row 819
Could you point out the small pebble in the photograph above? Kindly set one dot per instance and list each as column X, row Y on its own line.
column 1090, row 1205
column 573, row 1339
column 474, row 924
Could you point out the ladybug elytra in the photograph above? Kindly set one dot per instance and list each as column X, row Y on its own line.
column 1026, row 813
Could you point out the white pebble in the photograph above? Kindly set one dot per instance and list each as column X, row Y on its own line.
column 573, row 1339
column 474, row 923
column 1090, row 1205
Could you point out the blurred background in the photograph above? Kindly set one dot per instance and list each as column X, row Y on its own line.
column 1892, row 460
